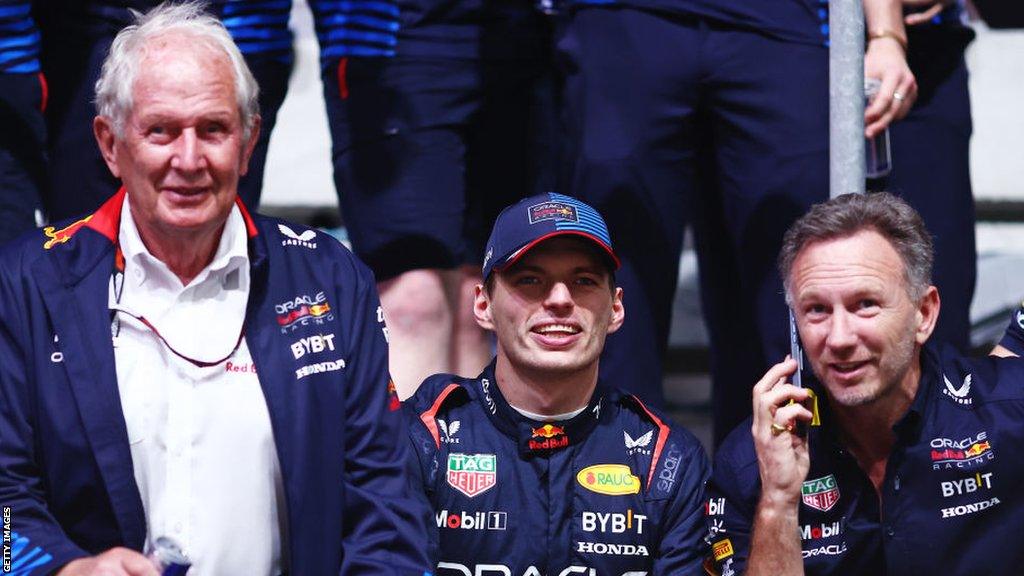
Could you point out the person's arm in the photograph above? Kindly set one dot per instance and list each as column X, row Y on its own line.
column 38, row 545
column 783, row 461
column 924, row 10
column 1012, row 343
column 680, row 550
column 424, row 472
column 886, row 60
column 385, row 519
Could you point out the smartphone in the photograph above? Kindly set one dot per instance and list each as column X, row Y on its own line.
column 796, row 350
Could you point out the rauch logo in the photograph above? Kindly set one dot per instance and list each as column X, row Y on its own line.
column 610, row 479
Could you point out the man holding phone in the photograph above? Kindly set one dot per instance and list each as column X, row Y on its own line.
column 916, row 447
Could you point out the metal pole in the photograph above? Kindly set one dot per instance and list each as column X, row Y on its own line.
column 846, row 97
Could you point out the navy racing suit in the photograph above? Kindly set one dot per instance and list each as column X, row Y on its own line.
column 615, row 490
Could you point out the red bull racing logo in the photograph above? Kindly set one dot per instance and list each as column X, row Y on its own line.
column 303, row 310
column 472, row 474
column 64, row 234
column 552, row 211
column 548, row 437
column 967, row 452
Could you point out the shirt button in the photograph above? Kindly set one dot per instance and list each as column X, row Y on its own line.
column 177, row 528
column 890, row 531
column 896, row 484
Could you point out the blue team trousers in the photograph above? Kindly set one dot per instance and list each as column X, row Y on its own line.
column 676, row 122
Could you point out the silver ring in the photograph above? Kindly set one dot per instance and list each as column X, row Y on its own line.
column 897, row 96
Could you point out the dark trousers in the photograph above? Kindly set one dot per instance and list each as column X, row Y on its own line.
column 427, row 151
column 931, row 170
column 674, row 123
column 22, row 152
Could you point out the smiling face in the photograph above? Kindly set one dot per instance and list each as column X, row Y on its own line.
column 861, row 331
column 552, row 310
column 183, row 149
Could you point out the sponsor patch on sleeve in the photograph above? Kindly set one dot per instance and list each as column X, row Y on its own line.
column 722, row 549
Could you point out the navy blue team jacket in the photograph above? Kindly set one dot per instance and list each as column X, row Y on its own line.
column 616, row 490
column 65, row 465
column 951, row 501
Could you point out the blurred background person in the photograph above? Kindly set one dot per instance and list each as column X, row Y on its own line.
column 260, row 29
column 711, row 114
column 76, row 36
column 441, row 113
column 23, row 94
column 931, row 156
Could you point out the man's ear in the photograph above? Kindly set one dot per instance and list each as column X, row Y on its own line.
column 618, row 311
column 250, row 145
column 103, row 130
column 482, row 308
column 927, row 314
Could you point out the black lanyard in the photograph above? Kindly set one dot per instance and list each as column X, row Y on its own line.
column 117, row 277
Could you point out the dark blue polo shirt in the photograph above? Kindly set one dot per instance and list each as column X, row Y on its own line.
column 951, row 501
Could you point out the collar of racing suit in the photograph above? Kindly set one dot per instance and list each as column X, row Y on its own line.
column 537, row 438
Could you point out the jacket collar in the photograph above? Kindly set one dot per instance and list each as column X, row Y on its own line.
column 79, row 259
column 908, row 427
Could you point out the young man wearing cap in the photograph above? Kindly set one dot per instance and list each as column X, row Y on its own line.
column 536, row 467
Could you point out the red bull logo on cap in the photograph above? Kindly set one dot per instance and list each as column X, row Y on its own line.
column 552, row 211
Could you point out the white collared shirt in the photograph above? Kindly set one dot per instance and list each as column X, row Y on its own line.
column 202, row 447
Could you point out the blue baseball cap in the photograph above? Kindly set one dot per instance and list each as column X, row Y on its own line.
column 533, row 220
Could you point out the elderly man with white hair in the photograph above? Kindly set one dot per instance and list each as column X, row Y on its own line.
column 172, row 366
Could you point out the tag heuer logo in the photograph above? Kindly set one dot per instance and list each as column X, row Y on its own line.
column 821, row 493
column 472, row 474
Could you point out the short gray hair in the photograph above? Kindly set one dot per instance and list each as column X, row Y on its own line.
column 849, row 214
column 117, row 78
